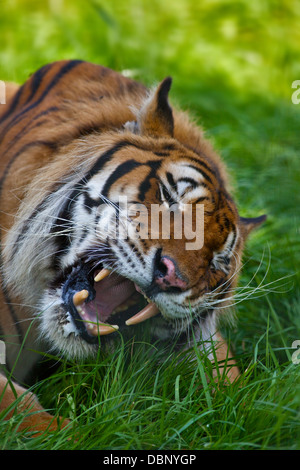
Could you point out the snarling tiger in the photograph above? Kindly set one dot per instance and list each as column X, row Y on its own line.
column 75, row 141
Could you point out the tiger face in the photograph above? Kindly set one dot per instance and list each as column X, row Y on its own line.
column 89, row 250
column 114, row 274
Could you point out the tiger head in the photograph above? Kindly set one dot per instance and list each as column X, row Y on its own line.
column 93, row 255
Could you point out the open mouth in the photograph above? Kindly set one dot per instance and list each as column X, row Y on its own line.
column 100, row 301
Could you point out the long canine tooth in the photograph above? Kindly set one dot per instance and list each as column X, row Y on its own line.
column 80, row 297
column 101, row 330
column 148, row 312
column 101, row 275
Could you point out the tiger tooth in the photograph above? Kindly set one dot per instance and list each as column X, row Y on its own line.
column 80, row 311
column 101, row 330
column 148, row 312
column 119, row 309
column 101, row 275
column 124, row 307
column 138, row 289
column 80, row 297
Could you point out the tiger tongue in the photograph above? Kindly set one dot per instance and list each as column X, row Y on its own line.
column 111, row 292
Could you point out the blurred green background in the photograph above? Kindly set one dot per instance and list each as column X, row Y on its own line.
column 233, row 64
column 245, row 45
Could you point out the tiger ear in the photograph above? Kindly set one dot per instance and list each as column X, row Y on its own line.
column 155, row 118
column 251, row 223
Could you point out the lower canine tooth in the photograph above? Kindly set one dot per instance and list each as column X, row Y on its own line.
column 148, row 312
column 102, row 330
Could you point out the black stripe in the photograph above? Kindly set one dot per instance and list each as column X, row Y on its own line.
column 13, row 105
column 169, row 199
column 87, row 129
column 200, row 199
column 105, row 158
column 170, row 147
column 89, row 202
column 59, row 75
column 28, row 128
column 137, row 252
column 227, row 222
column 26, row 226
column 233, row 240
column 209, row 168
column 185, row 179
column 98, row 166
column 64, row 215
column 124, row 168
column 64, row 240
column 226, row 261
column 121, row 170
column 145, row 184
column 129, row 260
column 36, row 80
column 51, row 145
column 161, row 154
column 5, row 293
column 83, row 235
column 23, row 149
column 205, row 175
column 170, row 179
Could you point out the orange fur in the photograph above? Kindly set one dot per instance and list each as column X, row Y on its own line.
column 58, row 123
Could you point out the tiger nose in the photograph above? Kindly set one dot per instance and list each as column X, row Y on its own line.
column 165, row 274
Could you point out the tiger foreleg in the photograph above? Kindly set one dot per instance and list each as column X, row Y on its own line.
column 15, row 399
column 225, row 365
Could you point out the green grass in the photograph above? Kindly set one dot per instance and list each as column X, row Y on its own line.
column 233, row 64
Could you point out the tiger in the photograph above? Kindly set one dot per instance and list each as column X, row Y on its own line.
column 76, row 140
